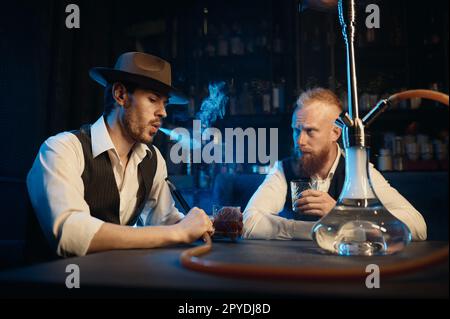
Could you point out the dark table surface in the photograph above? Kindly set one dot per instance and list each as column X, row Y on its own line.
column 159, row 273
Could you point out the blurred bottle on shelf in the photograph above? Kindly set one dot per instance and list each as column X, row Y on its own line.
column 262, row 42
column 412, row 150
column 249, row 40
column 426, row 150
column 266, row 99
column 222, row 46
column 278, row 103
column 440, row 150
column 210, row 49
column 388, row 140
column 277, row 41
column 398, row 161
column 222, row 41
column 236, row 42
column 384, row 160
column 246, row 105
column 370, row 35
column 364, row 102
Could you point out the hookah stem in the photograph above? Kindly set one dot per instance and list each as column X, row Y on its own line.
column 348, row 33
column 185, row 207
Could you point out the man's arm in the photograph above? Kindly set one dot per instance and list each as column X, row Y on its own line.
column 111, row 236
column 261, row 220
column 56, row 192
column 398, row 206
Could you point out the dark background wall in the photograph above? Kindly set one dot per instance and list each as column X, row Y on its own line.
column 44, row 67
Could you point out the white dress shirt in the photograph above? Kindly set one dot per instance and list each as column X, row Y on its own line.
column 261, row 220
column 57, row 191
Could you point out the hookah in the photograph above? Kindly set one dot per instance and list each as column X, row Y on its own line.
column 359, row 224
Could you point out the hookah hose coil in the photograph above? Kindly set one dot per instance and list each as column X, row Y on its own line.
column 190, row 257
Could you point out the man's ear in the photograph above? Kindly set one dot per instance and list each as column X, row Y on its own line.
column 120, row 94
column 335, row 133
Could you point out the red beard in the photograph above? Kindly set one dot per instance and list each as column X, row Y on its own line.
column 311, row 164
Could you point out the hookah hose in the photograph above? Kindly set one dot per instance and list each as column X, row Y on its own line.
column 190, row 257
column 425, row 94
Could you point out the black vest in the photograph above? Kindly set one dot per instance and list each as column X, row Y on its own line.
column 292, row 171
column 100, row 192
column 100, row 188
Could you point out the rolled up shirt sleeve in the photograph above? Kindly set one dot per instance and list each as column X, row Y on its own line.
column 398, row 206
column 56, row 192
column 261, row 220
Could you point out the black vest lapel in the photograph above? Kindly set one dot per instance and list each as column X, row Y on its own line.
column 337, row 182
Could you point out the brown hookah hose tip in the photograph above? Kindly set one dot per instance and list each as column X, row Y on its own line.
column 187, row 256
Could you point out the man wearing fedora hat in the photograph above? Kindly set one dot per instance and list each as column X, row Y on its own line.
column 91, row 187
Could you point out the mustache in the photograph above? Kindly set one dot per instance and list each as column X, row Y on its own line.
column 298, row 151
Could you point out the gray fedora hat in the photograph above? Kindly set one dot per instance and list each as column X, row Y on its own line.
column 145, row 70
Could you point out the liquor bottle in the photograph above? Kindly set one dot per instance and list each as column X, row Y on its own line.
column 278, row 97
column 236, row 43
column 250, row 41
column 222, row 41
column 266, row 99
column 277, row 42
column 246, row 100
column 262, row 42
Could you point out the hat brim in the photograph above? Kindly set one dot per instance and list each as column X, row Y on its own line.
column 103, row 76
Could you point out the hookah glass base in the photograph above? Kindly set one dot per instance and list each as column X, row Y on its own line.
column 361, row 228
column 359, row 224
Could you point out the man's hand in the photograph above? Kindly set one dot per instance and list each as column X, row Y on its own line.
column 194, row 225
column 314, row 203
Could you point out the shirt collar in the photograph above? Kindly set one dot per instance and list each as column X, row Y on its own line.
column 336, row 162
column 101, row 141
column 333, row 167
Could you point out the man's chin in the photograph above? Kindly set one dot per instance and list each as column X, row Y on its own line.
column 147, row 140
column 144, row 139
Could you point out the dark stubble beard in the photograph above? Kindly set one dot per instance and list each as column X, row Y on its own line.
column 128, row 127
